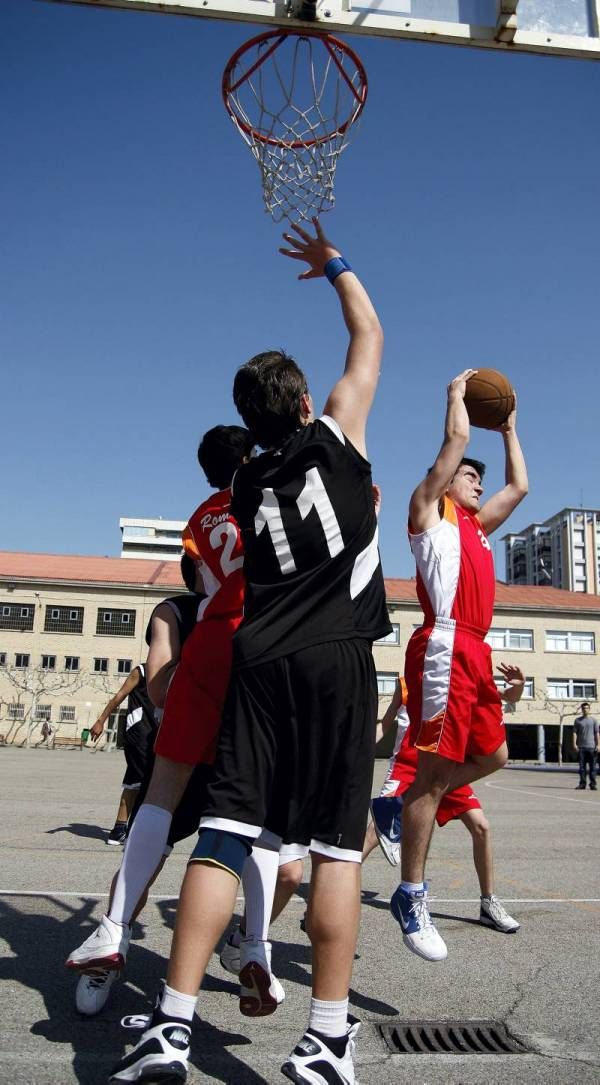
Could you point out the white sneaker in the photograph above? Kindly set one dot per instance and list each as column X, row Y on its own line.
column 92, row 991
column 418, row 931
column 230, row 956
column 105, row 948
column 260, row 991
column 313, row 1063
column 161, row 1054
column 493, row 914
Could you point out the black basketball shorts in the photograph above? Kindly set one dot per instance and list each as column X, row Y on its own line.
column 138, row 747
column 296, row 749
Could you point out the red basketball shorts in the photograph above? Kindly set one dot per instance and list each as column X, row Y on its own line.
column 192, row 717
column 453, row 805
column 453, row 704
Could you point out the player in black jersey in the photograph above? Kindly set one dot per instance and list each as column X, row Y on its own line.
column 296, row 746
column 170, row 623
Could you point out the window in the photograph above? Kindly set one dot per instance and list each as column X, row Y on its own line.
column 22, row 660
column 16, row 616
column 2, row 659
column 561, row 640
column 116, row 623
column 71, row 663
column 528, row 689
column 520, row 640
column 571, row 689
column 124, row 666
column 101, row 666
column 386, row 683
column 391, row 638
column 16, row 711
column 48, row 663
column 67, row 713
column 42, row 712
column 63, row 620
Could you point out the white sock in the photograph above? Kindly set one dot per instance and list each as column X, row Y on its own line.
column 143, row 851
column 330, row 1018
column 174, row 1004
column 409, row 887
column 258, row 880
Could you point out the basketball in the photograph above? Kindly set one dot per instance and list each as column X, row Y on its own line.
column 489, row 398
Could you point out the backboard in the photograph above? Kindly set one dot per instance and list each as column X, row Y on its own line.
column 556, row 27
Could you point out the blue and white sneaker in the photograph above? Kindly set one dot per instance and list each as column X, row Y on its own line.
column 418, row 932
column 161, row 1054
column 313, row 1063
column 387, row 822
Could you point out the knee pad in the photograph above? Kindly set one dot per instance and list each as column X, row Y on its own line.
column 222, row 849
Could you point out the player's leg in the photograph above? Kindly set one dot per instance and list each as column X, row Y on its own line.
column 242, row 779
column 118, row 833
column 289, row 876
column 335, row 693
column 492, row 911
column 371, row 841
column 260, row 991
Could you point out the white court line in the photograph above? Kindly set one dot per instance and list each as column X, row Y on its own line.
column 300, row 900
column 539, row 794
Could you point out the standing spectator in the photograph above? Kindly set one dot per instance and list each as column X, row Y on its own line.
column 585, row 743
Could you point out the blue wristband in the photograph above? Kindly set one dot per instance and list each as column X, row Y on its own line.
column 335, row 267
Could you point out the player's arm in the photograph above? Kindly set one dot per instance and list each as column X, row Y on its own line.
column 389, row 716
column 575, row 730
column 499, row 507
column 128, row 686
column 163, row 653
column 516, row 682
column 424, row 508
column 350, row 400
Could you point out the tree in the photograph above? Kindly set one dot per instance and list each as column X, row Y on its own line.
column 561, row 708
column 38, row 683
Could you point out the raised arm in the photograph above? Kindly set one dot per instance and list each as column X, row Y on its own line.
column 163, row 653
column 128, row 686
column 424, row 509
column 350, row 399
column 499, row 507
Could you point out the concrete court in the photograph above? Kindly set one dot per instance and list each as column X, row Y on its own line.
column 55, row 872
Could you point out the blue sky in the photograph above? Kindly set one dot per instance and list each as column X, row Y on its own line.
column 139, row 268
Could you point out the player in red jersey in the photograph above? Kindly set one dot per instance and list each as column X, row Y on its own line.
column 192, row 714
column 461, row 804
column 453, row 704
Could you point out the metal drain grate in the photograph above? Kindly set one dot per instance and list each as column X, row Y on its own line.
column 450, row 1038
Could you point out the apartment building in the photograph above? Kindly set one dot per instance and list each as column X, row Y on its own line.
column 563, row 551
column 72, row 627
column 154, row 539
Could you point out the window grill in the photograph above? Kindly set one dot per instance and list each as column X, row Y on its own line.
column 115, row 623
column 17, row 617
column 63, row 620
column 16, row 711
column 67, row 713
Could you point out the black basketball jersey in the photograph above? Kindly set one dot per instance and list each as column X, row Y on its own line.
column 139, row 705
column 185, row 609
column 311, row 558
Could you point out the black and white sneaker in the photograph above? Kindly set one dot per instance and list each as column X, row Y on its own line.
column 161, row 1055
column 312, row 1062
column 118, row 833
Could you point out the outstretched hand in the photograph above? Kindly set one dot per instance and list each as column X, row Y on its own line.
column 316, row 251
column 458, row 386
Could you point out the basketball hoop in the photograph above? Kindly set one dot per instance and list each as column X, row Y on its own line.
column 294, row 96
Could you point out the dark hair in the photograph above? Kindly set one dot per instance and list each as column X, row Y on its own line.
column 585, row 704
column 221, row 452
column 267, row 392
column 188, row 572
column 477, row 464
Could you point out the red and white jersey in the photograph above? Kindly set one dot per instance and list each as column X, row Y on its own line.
column 213, row 539
column 455, row 569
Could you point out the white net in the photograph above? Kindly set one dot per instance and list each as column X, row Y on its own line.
column 294, row 98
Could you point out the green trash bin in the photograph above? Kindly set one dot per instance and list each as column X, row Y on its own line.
column 85, row 734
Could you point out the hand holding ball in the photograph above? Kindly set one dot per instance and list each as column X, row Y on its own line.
column 489, row 399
